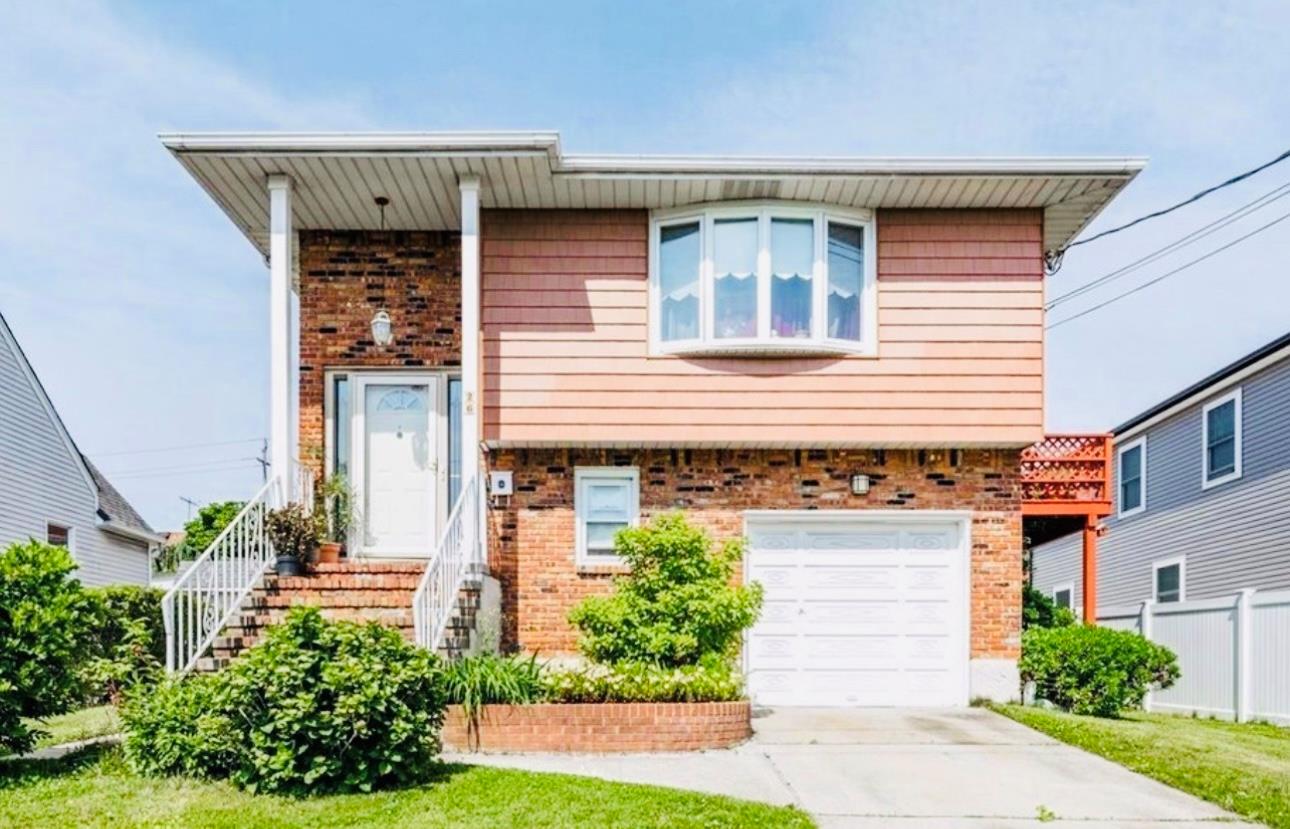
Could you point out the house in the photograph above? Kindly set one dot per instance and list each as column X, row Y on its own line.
column 1202, row 494
column 511, row 352
column 51, row 492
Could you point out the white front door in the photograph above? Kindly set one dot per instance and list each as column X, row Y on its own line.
column 396, row 464
column 859, row 610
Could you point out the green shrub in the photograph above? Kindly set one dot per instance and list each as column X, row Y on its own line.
column 677, row 604
column 1039, row 611
column 488, row 678
column 45, row 619
column 128, row 644
column 182, row 727
column 1094, row 670
column 316, row 707
column 206, row 526
column 712, row 680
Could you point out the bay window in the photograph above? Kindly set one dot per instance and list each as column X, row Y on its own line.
column 763, row 279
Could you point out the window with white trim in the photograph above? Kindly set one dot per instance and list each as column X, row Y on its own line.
column 59, row 535
column 1221, row 438
column 1064, row 596
column 1131, row 474
column 762, row 278
column 1168, row 579
column 606, row 499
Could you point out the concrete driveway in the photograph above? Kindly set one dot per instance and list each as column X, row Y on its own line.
column 914, row 768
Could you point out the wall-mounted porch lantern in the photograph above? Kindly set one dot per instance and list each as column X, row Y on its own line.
column 382, row 328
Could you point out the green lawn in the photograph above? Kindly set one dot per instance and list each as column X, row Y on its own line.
column 80, row 725
column 94, row 788
column 1244, row 768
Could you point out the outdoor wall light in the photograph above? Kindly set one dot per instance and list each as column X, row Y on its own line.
column 859, row 484
column 382, row 328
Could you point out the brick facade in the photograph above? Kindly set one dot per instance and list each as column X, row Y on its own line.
column 672, row 726
column 345, row 278
column 532, row 536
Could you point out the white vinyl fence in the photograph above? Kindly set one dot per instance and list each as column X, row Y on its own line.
column 1234, row 653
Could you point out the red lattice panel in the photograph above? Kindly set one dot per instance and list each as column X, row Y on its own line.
column 1066, row 468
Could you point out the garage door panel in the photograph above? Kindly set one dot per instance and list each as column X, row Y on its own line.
column 858, row 687
column 849, row 613
column 845, row 580
column 765, row 539
column 852, row 541
column 777, row 614
column 858, row 611
column 867, row 652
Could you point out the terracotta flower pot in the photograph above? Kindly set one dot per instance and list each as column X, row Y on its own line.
column 329, row 552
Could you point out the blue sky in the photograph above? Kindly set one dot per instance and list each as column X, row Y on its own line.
column 144, row 311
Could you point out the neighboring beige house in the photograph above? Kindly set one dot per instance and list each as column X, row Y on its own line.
column 51, row 492
column 512, row 352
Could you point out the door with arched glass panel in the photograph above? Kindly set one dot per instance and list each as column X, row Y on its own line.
column 396, row 463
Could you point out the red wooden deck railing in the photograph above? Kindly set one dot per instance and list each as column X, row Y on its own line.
column 1067, row 474
column 1071, row 475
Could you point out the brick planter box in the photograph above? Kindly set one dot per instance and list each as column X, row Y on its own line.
column 599, row 728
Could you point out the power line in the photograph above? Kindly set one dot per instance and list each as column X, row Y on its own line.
column 216, row 466
column 1202, row 194
column 1053, row 259
column 1213, row 227
column 1168, row 274
column 172, row 448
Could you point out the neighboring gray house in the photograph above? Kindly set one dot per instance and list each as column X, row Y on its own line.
column 1202, row 495
column 50, row 491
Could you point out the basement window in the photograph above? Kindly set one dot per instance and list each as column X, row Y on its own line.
column 762, row 279
column 606, row 500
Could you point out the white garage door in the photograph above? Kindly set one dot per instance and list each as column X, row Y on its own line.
column 859, row 610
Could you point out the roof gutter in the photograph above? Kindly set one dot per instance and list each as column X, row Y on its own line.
column 132, row 533
column 1205, row 389
column 548, row 141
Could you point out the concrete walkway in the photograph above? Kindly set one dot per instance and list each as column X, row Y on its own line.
column 884, row 767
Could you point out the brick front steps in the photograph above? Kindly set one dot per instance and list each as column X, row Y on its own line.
column 600, row 728
column 354, row 591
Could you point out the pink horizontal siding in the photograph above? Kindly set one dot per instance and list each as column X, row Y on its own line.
column 566, row 353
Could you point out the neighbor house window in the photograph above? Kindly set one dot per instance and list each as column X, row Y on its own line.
column 1221, row 436
column 606, row 500
column 1064, row 596
column 1169, row 579
column 58, row 534
column 1132, row 477
column 763, row 278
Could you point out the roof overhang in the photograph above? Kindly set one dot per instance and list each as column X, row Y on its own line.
column 132, row 533
column 337, row 177
column 1228, row 376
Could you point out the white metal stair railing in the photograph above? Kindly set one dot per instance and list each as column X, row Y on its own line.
column 210, row 591
column 458, row 555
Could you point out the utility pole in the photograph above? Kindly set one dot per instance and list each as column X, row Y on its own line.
column 191, row 504
column 263, row 461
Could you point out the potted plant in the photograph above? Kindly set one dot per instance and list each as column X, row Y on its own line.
column 294, row 535
column 335, row 503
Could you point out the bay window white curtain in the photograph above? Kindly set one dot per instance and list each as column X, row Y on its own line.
column 734, row 284
column 792, row 256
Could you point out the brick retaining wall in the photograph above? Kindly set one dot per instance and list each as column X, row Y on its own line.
column 599, row 728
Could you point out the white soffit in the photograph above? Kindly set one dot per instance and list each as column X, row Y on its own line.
column 338, row 176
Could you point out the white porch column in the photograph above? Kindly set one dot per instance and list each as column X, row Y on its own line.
column 280, row 426
column 471, row 400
